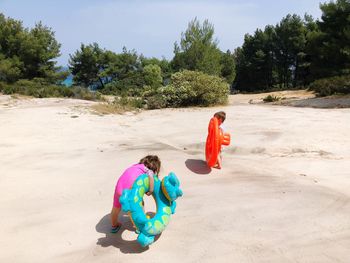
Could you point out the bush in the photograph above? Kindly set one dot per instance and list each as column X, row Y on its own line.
column 271, row 98
column 85, row 94
column 153, row 75
column 128, row 102
column 2, row 86
column 39, row 88
column 36, row 88
column 330, row 86
column 188, row 88
column 157, row 101
column 119, row 105
column 128, row 86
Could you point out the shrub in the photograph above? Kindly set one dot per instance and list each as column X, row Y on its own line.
column 2, row 86
column 130, row 85
column 156, row 101
column 128, row 102
column 84, row 94
column 188, row 88
column 271, row 98
column 119, row 105
column 153, row 75
column 330, row 86
column 39, row 88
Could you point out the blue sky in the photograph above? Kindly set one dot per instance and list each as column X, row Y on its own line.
column 150, row 26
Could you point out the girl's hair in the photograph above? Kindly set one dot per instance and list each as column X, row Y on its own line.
column 152, row 162
column 220, row 115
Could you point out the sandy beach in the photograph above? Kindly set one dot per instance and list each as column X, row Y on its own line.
column 283, row 194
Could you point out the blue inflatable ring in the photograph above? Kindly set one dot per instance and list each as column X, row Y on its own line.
column 165, row 193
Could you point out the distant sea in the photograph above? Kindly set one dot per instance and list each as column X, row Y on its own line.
column 68, row 81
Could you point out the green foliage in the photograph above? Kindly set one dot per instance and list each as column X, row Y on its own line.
column 85, row 94
column 27, row 53
column 198, row 49
column 290, row 44
column 330, row 45
column 119, row 105
column 254, row 61
column 129, row 102
column 37, row 52
column 296, row 51
column 38, row 88
column 293, row 53
column 111, row 73
column 228, row 66
column 127, row 65
column 163, row 64
column 189, row 88
column 156, row 101
column 128, row 86
column 271, row 98
column 88, row 65
column 330, row 86
column 2, row 85
column 153, row 75
column 277, row 56
column 10, row 69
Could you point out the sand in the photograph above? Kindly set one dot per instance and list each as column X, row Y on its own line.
column 283, row 194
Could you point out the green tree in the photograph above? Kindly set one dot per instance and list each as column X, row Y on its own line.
column 308, row 55
column 276, row 56
column 10, row 69
column 85, row 65
column 228, row 66
column 198, row 49
column 93, row 66
column 330, row 45
column 38, row 50
column 153, row 76
column 126, row 74
column 28, row 53
column 290, row 45
column 164, row 65
column 255, row 60
column 127, row 64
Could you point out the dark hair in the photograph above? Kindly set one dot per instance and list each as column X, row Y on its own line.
column 220, row 115
column 152, row 162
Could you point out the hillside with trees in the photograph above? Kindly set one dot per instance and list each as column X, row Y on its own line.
column 297, row 52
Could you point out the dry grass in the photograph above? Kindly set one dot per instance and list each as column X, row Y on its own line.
column 20, row 97
column 106, row 108
column 258, row 98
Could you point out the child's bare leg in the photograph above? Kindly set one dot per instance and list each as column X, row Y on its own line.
column 114, row 216
column 218, row 162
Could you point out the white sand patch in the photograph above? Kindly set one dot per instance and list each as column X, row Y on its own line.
column 283, row 194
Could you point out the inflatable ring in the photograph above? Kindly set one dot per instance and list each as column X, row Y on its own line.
column 212, row 146
column 165, row 193
column 214, row 142
column 225, row 139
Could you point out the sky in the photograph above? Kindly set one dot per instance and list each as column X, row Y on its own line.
column 150, row 26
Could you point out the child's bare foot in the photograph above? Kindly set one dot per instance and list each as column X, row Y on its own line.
column 217, row 166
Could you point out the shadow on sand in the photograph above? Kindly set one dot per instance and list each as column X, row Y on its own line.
column 197, row 166
column 116, row 240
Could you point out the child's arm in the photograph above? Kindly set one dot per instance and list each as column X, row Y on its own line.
column 151, row 184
